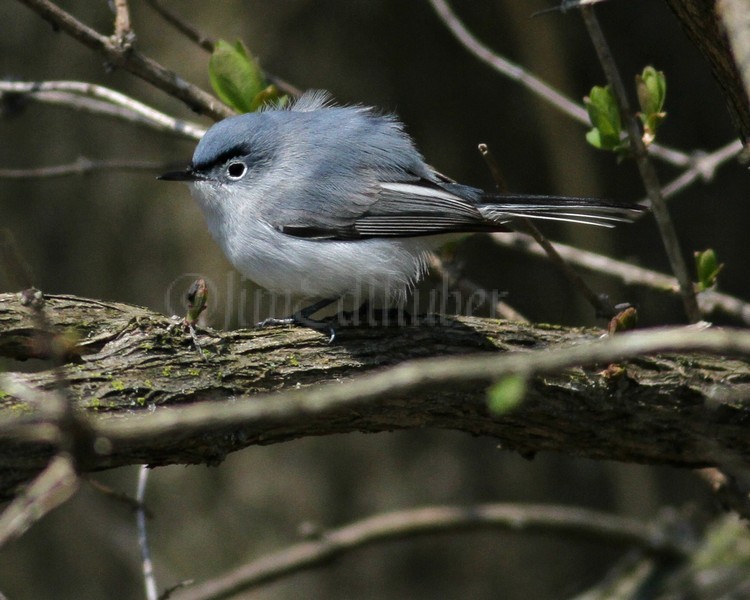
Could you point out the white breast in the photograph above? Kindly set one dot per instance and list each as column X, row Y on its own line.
column 375, row 269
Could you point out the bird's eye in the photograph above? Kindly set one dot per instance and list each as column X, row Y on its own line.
column 236, row 170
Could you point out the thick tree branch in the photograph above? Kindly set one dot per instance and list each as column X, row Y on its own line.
column 680, row 409
column 703, row 26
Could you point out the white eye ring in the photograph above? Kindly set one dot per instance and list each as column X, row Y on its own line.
column 236, row 170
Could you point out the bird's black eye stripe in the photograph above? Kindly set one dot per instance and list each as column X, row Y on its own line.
column 235, row 158
column 236, row 169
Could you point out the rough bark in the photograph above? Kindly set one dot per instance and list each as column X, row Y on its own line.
column 681, row 410
column 703, row 26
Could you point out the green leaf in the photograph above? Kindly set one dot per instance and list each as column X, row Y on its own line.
column 269, row 95
column 506, row 394
column 235, row 75
column 708, row 268
column 651, row 86
column 594, row 137
column 605, row 117
column 652, row 90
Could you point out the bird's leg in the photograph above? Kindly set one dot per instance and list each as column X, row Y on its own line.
column 356, row 317
column 393, row 316
column 374, row 317
column 302, row 317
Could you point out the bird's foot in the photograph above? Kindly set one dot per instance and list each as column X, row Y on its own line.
column 302, row 317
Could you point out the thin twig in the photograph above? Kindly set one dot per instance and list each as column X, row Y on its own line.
column 453, row 276
column 187, row 29
column 727, row 490
column 455, row 279
column 645, row 167
column 545, row 91
column 154, row 118
column 597, row 302
column 82, row 166
column 710, row 300
column 602, row 309
column 131, row 60
column 12, row 264
column 583, row 523
column 504, row 66
column 193, row 34
column 123, row 33
column 116, row 495
column 51, row 488
column 627, row 579
column 168, row 592
column 703, row 167
column 102, row 108
column 149, row 580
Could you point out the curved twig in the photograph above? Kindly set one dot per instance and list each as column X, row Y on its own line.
column 542, row 89
column 588, row 524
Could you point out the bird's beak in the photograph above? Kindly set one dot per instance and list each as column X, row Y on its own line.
column 186, row 175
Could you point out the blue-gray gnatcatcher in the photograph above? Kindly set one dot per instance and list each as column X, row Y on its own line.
column 318, row 201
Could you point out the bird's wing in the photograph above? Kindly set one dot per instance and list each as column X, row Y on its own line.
column 405, row 207
column 412, row 206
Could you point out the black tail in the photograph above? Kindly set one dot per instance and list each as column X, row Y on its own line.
column 502, row 208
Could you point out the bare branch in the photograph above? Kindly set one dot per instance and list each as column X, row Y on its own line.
column 51, row 488
column 185, row 28
column 434, row 372
column 703, row 167
column 526, row 225
column 683, row 417
column 131, row 60
column 135, row 110
column 576, row 522
column 193, row 34
column 123, row 35
column 646, row 169
column 532, row 83
column 82, row 166
column 455, row 279
column 149, row 579
column 504, row 66
column 710, row 300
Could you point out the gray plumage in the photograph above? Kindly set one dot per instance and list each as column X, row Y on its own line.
column 320, row 201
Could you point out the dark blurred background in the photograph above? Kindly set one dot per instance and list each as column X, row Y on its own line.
column 125, row 236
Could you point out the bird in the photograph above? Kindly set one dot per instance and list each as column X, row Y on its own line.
column 319, row 201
